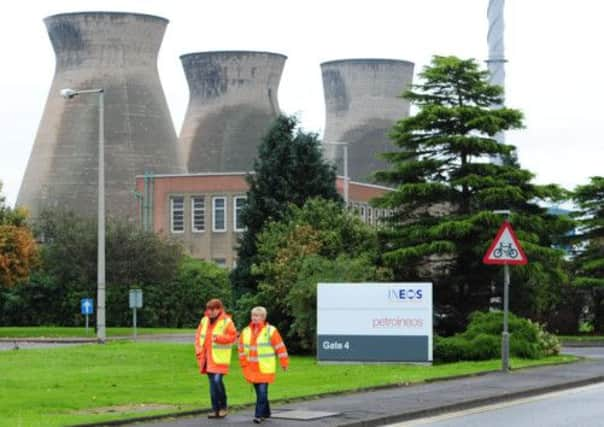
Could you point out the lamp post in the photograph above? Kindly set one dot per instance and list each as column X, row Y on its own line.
column 344, row 146
column 100, row 313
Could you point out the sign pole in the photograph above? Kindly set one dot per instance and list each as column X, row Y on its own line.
column 86, row 324
column 505, row 336
column 134, row 321
column 135, row 300
column 505, row 250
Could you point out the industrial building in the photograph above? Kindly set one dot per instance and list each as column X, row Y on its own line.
column 232, row 104
column 118, row 53
column 202, row 211
column 190, row 188
column 362, row 103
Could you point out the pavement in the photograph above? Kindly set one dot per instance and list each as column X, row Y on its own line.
column 394, row 404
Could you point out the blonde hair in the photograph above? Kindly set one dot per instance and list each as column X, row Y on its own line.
column 260, row 310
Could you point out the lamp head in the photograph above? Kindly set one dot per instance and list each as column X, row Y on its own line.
column 68, row 93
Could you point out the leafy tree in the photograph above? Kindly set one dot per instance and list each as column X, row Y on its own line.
column 134, row 258
column 319, row 241
column 196, row 283
column 446, row 190
column 289, row 169
column 18, row 250
column 589, row 261
column 301, row 300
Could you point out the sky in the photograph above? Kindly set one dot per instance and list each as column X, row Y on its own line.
column 553, row 73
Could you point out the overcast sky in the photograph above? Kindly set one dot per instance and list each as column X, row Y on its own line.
column 554, row 70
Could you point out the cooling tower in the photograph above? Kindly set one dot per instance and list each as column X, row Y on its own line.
column 362, row 99
column 118, row 53
column 232, row 103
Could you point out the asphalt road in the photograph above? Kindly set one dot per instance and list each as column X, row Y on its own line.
column 575, row 407
column 23, row 344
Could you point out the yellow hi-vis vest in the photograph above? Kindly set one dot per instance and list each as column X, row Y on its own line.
column 221, row 353
column 263, row 351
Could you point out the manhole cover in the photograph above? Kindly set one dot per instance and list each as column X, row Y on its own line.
column 300, row 414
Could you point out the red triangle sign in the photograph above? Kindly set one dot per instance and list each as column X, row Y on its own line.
column 505, row 249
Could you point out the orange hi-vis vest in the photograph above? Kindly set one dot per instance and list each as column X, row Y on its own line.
column 218, row 357
column 257, row 353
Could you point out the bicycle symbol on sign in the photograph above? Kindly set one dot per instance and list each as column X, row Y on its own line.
column 505, row 249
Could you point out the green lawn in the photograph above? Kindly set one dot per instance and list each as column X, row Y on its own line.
column 64, row 332
column 53, row 387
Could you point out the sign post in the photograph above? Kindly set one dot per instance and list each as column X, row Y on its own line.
column 87, row 308
column 135, row 301
column 505, row 250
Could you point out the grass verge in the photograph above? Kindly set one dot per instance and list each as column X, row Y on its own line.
column 63, row 386
column 70, row 332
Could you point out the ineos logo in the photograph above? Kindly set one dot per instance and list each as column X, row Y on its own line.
column 404, row 294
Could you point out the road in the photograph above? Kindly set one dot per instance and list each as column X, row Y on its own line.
column 23, row 344
column 576, row 407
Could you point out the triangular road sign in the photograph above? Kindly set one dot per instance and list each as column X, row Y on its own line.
column 505, row 249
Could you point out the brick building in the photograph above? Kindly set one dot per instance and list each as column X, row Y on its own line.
column 202, row 210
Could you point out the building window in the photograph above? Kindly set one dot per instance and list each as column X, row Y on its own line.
column 238, row 204
column 362, row 213
column 369, row 215
column 177, row 214
column 198, row 213
column 220, row 262
column 219, row 214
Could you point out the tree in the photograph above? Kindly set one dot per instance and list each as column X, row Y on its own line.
column 446, row 190
column 68, row 269
column 289, row 169
column 589, row 262
column 319, row 241
column 196, row 283
column 18, row 249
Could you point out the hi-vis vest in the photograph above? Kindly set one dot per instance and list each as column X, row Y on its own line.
column 221, row 353
column 264, row 352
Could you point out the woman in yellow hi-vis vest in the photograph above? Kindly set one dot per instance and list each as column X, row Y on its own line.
column 214, row 340
column 258, row 344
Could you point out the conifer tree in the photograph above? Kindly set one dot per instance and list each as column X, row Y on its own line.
column 589, row 262
column 289, row 169
column 445, row 189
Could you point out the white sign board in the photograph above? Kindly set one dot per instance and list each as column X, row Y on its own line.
column 135, row 298
column 377, row 322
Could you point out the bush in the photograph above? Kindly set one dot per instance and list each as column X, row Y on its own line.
column 318, row 242
column 482, row 339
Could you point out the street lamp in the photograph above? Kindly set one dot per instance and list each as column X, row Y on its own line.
column 100, row 312
column 344, row 146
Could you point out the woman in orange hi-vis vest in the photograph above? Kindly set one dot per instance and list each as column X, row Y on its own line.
column 214, row 340
column 258, row 344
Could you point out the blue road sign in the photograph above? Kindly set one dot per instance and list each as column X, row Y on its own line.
column 87, row 305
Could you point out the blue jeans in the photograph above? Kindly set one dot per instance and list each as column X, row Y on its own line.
column 263, row 409
column 217, row 392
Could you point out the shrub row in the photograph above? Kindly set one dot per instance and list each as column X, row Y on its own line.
column 482, row 339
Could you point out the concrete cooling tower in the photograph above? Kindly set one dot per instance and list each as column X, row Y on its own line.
column 232, row 103
column 118, row 53
column 362, row 98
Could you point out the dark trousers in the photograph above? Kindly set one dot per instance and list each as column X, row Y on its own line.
column 217, row 392
column 263, row 410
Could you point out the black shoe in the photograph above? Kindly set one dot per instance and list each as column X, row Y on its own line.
column 258, row 420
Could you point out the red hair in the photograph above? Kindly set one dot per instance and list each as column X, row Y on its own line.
column 214, row 303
